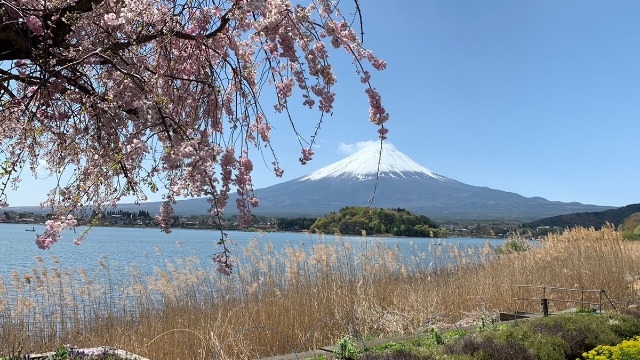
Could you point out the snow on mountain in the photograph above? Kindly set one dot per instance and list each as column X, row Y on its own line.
column 364, row 165
column 402, row 184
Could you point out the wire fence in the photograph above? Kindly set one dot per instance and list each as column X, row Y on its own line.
column 552, row 299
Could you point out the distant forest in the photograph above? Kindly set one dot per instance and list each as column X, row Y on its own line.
column 588, row 219
column 294, row 224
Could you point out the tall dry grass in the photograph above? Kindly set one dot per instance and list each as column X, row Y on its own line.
column 296, row 299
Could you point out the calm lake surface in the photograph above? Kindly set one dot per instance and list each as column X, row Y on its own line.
column 149, row 248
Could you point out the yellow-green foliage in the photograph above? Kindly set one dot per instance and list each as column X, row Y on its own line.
column 631, row 222
column 354, row 220
column 630, row 227
column 628, row 349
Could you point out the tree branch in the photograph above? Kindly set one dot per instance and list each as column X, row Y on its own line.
column 17, row 41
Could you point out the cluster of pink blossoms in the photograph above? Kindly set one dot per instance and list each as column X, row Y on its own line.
column 307, row 154
column 224, row 264
column 383, row 133
column 276, row 169
column 34, row 25
column 170, row 93
column 284, row 90
column 262, row 128
column 53, row 230
column 245, row 190
column 164, row 218
column 377, row 113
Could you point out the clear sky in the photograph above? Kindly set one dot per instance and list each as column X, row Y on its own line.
column 540, row 98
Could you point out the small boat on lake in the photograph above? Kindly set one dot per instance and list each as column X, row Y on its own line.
column 34, row 229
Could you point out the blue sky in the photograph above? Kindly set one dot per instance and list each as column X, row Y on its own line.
column 540, row 98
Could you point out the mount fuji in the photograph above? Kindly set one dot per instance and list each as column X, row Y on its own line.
column 401, row 183
column 363, row 165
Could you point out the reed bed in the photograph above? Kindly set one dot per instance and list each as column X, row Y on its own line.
column 293, row 300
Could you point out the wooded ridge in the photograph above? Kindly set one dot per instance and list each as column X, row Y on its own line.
column 352, row 220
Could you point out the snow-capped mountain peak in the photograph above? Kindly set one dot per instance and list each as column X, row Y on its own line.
column 364, row 164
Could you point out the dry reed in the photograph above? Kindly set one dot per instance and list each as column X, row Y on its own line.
column 297, row 299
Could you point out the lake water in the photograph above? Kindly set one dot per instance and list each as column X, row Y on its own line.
column 125, row 247
column 112, row 257
column 149, row 248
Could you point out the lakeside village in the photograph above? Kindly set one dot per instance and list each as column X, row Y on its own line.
column 347, row 224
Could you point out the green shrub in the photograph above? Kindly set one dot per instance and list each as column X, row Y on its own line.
column 624, row 326
column 578, row 331
column 557, row 337
column 347, row 349
column 422, row 347
column 629, row 235
column 542, row 346
column 489, row 349
column 512, row 246
column 398, row 355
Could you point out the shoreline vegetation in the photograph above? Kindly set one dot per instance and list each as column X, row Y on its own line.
column 296, row 300
column 349, row 220
column 354, row 220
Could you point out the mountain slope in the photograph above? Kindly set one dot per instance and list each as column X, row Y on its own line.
column 401, row 183
column 589, row 219
column 439, row 199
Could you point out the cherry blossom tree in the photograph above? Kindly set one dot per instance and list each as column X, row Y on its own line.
column 138, row 96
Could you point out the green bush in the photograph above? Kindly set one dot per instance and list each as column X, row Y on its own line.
column 347, row 349
column 578, row 331
column 512, row 246
column 555, row 337
column 625, row 326
column 542, row 346
column 397, row 355
column 489, row 349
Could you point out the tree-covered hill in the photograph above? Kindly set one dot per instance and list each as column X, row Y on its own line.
column 353, row 220
column 588, row 219
column 630, row 227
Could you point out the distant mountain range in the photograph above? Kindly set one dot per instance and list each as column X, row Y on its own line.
column 589, row 219
column 405, row 184
column 402, row 183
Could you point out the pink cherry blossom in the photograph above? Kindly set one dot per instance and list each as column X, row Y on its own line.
column 79, row 240
column 112, row 19
column 34, row 24
column 132, row 98
column 306, row 156
column 53, row 230
column 164, row 219
column 224, row 264
column 383, row 133
column 377, row 113
column 277, row 170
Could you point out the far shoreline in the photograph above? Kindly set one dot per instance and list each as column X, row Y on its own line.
column 254, row 230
